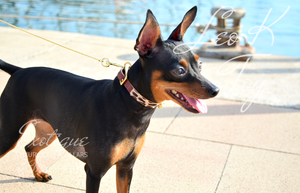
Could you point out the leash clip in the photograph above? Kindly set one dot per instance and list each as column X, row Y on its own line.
column 106, row 63
column 126, row 67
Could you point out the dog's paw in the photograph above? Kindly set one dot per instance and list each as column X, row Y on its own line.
column 42, row 177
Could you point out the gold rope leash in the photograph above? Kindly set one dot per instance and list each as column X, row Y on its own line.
column 105, row 61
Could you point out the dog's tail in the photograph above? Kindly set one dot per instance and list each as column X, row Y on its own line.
column 10, row 69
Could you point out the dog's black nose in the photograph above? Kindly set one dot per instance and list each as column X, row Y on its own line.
column 214, row 91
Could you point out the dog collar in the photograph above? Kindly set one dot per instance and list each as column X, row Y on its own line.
column 133, row 92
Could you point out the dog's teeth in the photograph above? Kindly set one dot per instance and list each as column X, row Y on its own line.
column 173, row 91
column 177, row 95
column 193, row 107
column 182, row 98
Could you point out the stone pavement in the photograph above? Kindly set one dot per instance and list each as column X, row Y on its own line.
column 248, row 142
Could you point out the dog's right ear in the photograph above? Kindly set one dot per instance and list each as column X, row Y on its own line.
column 180, row 30
column 149, row 37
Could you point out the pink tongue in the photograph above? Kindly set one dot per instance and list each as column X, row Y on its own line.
column 198, row 104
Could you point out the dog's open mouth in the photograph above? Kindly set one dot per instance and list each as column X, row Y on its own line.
column 190, row 104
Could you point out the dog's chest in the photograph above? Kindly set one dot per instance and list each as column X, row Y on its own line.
column 121, row 150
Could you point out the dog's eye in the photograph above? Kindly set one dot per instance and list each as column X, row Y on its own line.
column 199, row 65
column 179, row 71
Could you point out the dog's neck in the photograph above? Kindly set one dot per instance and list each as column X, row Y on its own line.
column 129, row 104
column 122, row 76
column 140, row 81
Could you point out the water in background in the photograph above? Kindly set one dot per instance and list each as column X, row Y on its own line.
column 285, row 33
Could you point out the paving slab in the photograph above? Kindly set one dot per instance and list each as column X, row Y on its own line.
column 260, row 171
column 178, row 164
column 11, row 184
column 3, row 79
column 267, row 79
column 163, row 118
column 260, row 126
column 28, row 46
column 165, row 165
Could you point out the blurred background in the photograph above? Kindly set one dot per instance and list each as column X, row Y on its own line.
column 124, row 18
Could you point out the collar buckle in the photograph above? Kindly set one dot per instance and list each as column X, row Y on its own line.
column 125, row 69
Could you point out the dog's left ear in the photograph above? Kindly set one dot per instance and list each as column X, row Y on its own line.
column 149, row 37
column 179, row 31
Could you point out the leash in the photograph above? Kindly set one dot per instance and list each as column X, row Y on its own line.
column 104, row 61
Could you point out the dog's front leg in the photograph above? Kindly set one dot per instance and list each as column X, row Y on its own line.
column 92, row 180
column 124, row 168
column 124, row 176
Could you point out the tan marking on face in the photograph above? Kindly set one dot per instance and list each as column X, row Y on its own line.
column 196, row 57
column 159, row 87
column 184, row 63
column 121, row 150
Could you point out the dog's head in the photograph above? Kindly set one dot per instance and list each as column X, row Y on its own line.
column 175, row 72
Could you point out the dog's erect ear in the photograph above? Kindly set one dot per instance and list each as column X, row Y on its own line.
column 149, row 36
column 179, row 31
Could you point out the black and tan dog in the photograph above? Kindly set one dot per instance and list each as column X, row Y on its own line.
column 102, row 122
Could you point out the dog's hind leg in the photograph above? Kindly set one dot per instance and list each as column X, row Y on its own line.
column 7, row 142
column 10, row 131
column 44, row 136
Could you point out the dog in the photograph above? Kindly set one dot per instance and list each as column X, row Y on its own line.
column 103, row 122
